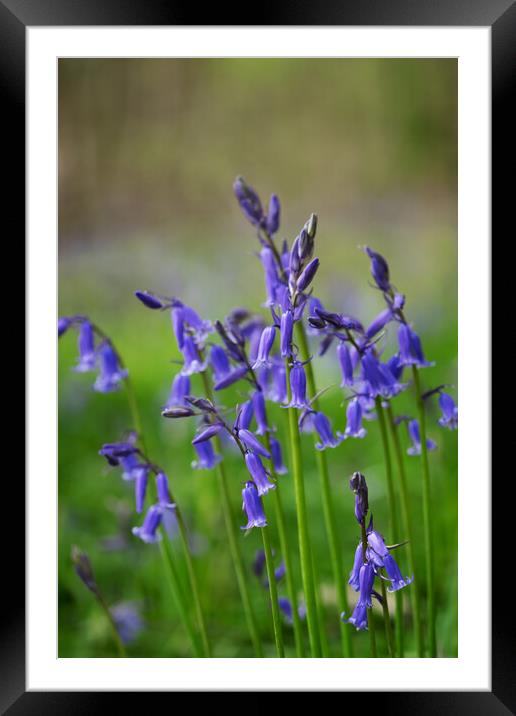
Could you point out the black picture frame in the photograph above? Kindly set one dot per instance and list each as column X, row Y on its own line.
column 15, row 17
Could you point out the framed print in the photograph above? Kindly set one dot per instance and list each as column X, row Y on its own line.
column 262, row 245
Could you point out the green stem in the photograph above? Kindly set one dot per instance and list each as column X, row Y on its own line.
column 285, row 551
column 329, row 513
column 387, row 621
column 407, row 523
column 234, row 547
column 325, row 647
column 116, row 636
column 273, row 591
column 302, row 526
column 427, row 527
column 393, row 518
column 177, row 593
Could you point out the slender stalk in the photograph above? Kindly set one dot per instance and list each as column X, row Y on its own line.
column 387, row 621
column 116, row 636
column 393, row 518
column 285, row 551
column 329, row 514
column 273, row 591
column 325, row 647
column 407, row 524
column 177, row 593
column 427, row 527
column 234, row 547
column 302, row 526
column 173, row 576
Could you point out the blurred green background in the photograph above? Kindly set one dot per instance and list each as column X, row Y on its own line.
column 148, row 151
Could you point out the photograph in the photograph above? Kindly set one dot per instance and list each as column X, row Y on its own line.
column 257, row 311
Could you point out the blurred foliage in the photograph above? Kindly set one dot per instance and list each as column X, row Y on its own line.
column 148, row 150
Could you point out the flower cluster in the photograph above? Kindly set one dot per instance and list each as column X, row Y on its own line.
column 372, row 558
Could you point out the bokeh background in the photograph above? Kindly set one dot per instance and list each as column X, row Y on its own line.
column 148, row 151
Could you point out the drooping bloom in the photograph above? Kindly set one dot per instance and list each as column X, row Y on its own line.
column 219, row 362
column 411, row 351
column 252, row 443
column 265, row 347
column 272, row 282
column 378, row 378
column 379, row 270
column 298, row 387
column 111, row 373
column 359, row 486
column 244, row 417
column 253, row 507
column 354, row 428
column 450, row 413
column 128, row 621
column 323, row 426
column 378, row 323
column 286, row 330
column 354, row 575
column 258, row 473
column 164, row 499
column 180, row 389
column 346, row 364
column 277, row 458
column 86, row 343
column 206, row 456
column 260, row 413
column 192, row 359
column 414, row 434
column 148, row 532
column 141, row 477
column 178, row 324
column 359, row 615
column 380, row 556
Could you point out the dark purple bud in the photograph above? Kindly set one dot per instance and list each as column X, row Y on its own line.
column 307, row 275
column 148, row 532
column 253, row 507
column 359, row 486
column 258, row 473
column 273, row 215
column 148, row 299
column 83, row 569
column 178, row 412
column 249, row 201
column 334, row 319
column 207, row 433
column 316, row 322
column 379, row 270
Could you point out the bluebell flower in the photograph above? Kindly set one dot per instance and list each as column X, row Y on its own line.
column 180, row 389
column 413, row 430
column 380, row 556
column 63, row 324
column 200, row 327
column 258, row 473
column 130, row 465
column 219, row 362
column 265, row 346
column 128, row 621
column 192, row 359
column 86, row 344
column 307, row 275
column 149, row 299
column 244, row 417
column 450, row 413
column 206, row 457
column 411, row 352
column 260, row 413
column 164, row 499
column 111, row 373
column 395, row 367
column 346, row 365
column 148, row 532
column 378, row 323
column 272, row 221
column 322, row 424
column 378, row 377
column 272, row 281
column 379, row 270
column 286, row 331
column 252, row 504
column 359, row 486
column 278, row 390
column 178, row 325
column 359, row 615
column 354, row 428
column 354, row 575
column 298, row 387
column 252, row 443
column 207, row 433
column 277, row 458
column 231, row 378
column 141, row 477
